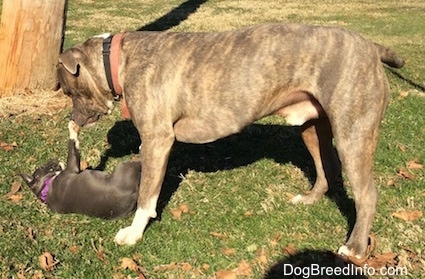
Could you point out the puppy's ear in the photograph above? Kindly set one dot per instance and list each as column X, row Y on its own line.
column 27, row 178
column 69, row 59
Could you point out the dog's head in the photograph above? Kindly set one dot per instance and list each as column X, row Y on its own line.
column 36, row 182
column 82, row 76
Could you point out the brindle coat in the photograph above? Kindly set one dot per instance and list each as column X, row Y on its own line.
column 199, row 87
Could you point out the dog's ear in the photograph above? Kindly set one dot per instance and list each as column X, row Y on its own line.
column 27, row 178
column 69, row 59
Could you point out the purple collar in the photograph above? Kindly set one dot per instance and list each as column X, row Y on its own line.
column 45, row 190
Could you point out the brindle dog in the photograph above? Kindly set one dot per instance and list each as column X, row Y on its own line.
column 199, row 87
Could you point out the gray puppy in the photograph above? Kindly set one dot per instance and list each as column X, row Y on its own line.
column 90, row 192
column 199, row 87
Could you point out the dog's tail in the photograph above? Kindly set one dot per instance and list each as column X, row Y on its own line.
column 389, row 57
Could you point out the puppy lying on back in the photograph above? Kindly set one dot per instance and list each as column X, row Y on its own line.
column 89, row 192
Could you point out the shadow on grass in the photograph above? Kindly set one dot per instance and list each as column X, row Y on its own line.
column 314, row 264
column 174, row 17
column 279, row 143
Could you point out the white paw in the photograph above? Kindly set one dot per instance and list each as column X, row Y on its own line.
column 128, row 236
column 297, row 199
column 345, row 251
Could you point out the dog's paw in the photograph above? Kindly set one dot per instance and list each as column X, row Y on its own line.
column 128, row 236
column 349, row 253
column 308, row 199
column 303, row 199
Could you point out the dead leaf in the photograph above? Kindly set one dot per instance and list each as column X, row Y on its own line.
column 8, row 146
column 183, row 208
column 228, row 251
column 407, row 215
column 414, row 164
column 225, row 274
column 16, row 198
column 289, row 196
column 73, row 249
column 290, row 250
column 218, row 235
column 262, row 257
column 83, row 165
column 185, row 266
column 165, row 267
column 391, row 182
column 248, row 213
column 31, row 234
column 16, row 186
column 405, row 174
column 47, row 262
column 206, row 267
column 402, row 95
column 244, row 269
column 129, row 263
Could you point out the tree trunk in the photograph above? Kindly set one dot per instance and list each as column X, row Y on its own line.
column 31, row 35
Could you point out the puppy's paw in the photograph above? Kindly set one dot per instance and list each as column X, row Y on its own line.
column 73, row 129
column 128, row 236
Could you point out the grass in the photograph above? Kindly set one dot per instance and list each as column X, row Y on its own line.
column 237, row 189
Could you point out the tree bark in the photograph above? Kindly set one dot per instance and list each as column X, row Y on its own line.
column 31, row 36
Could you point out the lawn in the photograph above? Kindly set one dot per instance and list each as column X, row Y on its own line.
column 225, row 207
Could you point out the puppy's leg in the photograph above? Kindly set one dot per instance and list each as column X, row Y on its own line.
column 155, row 152
column 317, row 136
column 73, row 160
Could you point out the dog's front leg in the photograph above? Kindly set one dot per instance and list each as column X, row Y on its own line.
column 73, row 160
column 155, row 152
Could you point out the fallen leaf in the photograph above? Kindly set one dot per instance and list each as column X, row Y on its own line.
column 290, row 250
column 244, row 269
column 8, row 146
column 185, row 266
column 16, row 186
column 407, row 215
column 414, row 164
column 289, row 196
column 129, row 263
column 403, row 94
column 16, row 198
column 47, row 262
column 31, row 234
column 166, row 267
column 218, row 235
column 262, row 257
column 84, row 165
column 228, row 251
column 73, row 249
column 391, row 182
column 183, row 208
column 176, row 213
column 206, row 267
column 225, row 274
column 405, row 174
column 248, row 214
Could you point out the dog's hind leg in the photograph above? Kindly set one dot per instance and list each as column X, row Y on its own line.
column 356, row 150
column 317, row 136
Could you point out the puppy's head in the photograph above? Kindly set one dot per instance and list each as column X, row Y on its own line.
column 36, row 182
column 81, row 75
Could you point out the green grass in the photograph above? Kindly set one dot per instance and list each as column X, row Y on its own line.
column 237, row 187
